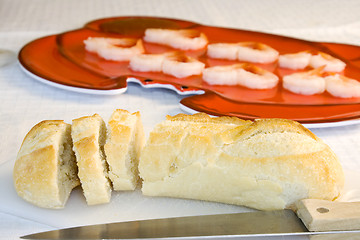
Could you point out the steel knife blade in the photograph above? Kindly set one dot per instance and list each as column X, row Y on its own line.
column 262, row 223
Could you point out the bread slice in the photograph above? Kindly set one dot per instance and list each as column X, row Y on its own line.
column 124, row 143
column 267, row 164
column 45, row 170
column 89, row 135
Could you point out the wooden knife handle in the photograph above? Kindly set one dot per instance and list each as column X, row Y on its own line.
column 322, row 215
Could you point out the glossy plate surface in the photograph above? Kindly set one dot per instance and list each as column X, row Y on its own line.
column 61, row 60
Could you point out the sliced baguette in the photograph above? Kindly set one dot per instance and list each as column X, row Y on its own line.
column 268, row 164
column 89, row 135
column 45, row 170
column 123, row 145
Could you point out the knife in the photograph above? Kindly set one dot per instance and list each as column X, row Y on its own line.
column 312, row 217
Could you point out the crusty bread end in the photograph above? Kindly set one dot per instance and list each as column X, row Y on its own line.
column 45, row 170
column 266, row 164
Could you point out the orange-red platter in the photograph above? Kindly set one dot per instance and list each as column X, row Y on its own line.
column 62, row 61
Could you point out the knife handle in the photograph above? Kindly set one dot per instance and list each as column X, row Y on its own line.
column 322, row 215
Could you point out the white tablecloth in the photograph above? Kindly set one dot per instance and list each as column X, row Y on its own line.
column 25, row 102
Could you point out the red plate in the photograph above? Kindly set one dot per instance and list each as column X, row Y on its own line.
column 62, row 60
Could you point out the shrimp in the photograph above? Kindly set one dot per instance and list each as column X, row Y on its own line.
column 223, row 50
column 222, row 75
column 256, row 52
column 254, row 77
column 179, row 65
column 172, row 63
column 295, row 61
column 305, row 83
column 341, row 86
column 147, row 62
column 243, row 74
column 244, row 51
column 331, row 64
column 185, row 39
column 116, row 49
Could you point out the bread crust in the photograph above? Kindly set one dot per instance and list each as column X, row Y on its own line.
column 37, row 173
column 267, row 164
column 88, row 134
column 124, row 142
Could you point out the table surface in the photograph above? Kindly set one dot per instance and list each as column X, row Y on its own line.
column 25, row 102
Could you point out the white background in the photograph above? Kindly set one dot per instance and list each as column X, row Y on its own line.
column 25, row 102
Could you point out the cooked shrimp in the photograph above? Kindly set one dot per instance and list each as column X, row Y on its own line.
column 305, row 83
column 181, row 66
column 147, row 62
column 246, row 75
column 222, row 75
column 331, row 64
column 223, row 50
column 295, row 61
column 254, row 77
column 185, row 39
column 244, row 51
column 116, row 49
column 341, row 86
column 256, row 52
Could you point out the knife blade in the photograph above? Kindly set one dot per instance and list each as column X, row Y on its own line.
column 260, row 224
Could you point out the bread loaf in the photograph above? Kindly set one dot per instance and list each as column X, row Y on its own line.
column 45, row 170
column 89, row 135
column 124, row 142
column 267, row 164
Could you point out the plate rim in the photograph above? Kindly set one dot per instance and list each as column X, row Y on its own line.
column 71, row 88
